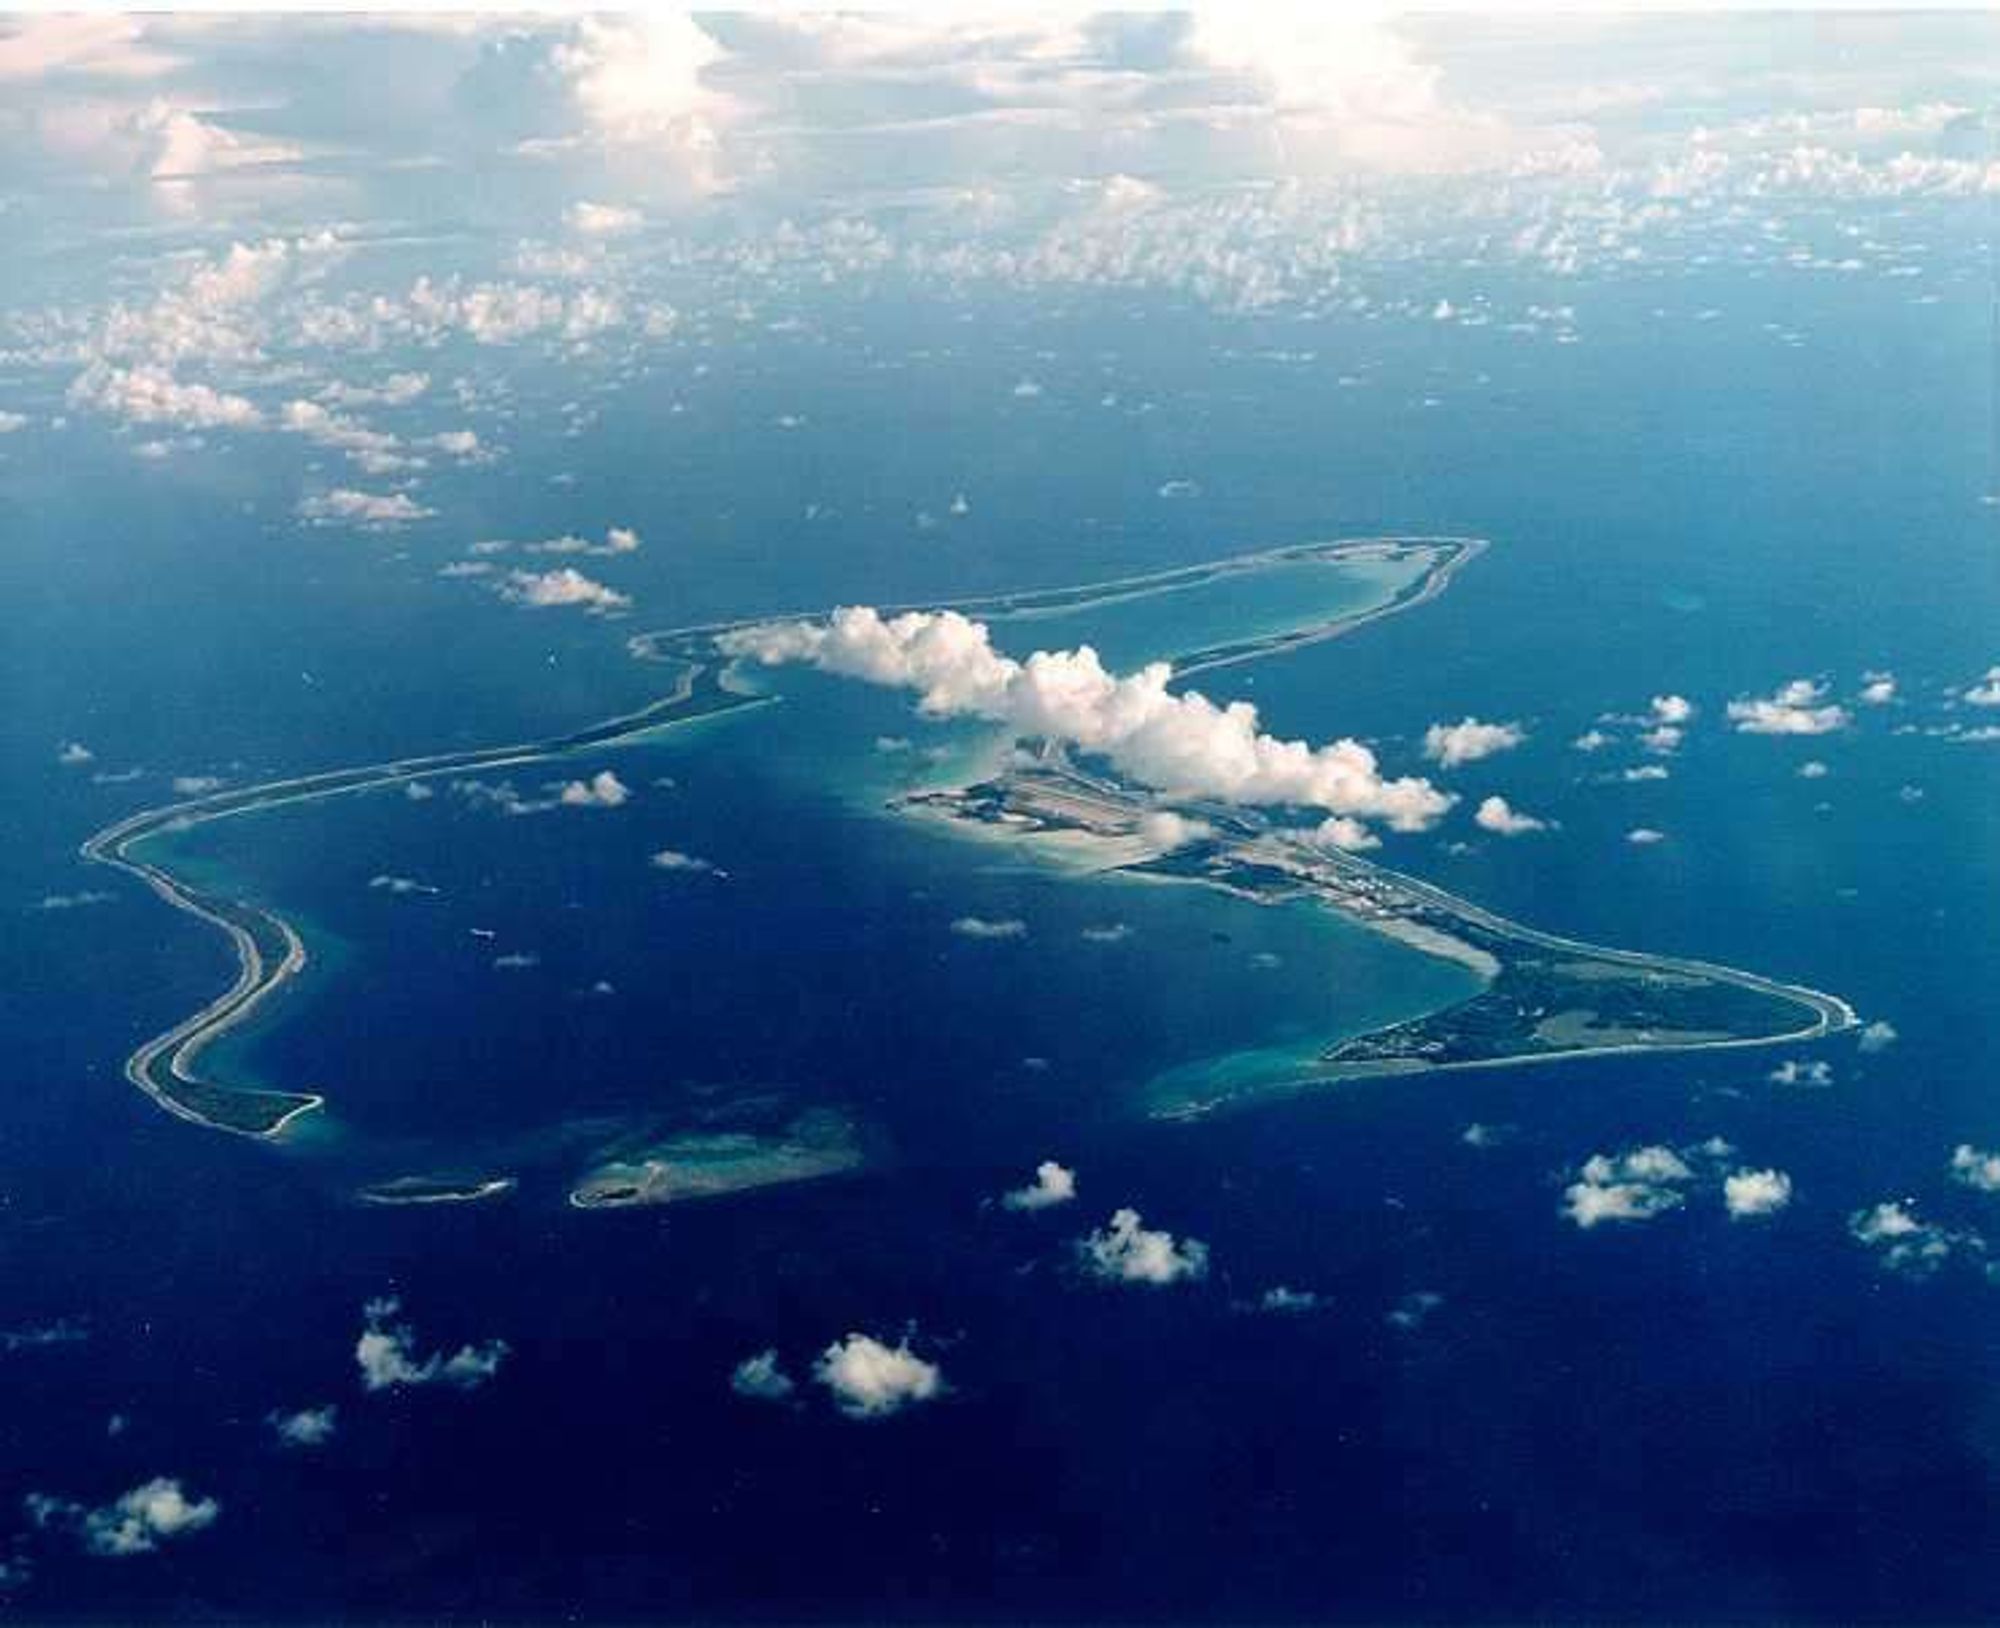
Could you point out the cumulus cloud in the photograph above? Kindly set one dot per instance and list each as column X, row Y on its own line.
column 150, row 1514
column 990, row 927
column 602, row 219
column 499, row 314
column 1749, row 1193
column 1798, row 708
column 1166, row 830
column 396, row 390
column 168, row 145
column 1671, row 710
column 762, row 1378
column 158, row 449
column 1125, row 1250
column 673, row 107
column 640, row 78
column 602, row 790
column 501, row 794
column 1878, row 689
column 564, row 586
column 1903, row 1243
column 1802, row 1071
column 672, row 859
column 1053, row 1184
column 81, row 900
column 384, row 1354
column 401, row 886
column 308, row 1427
column 376, row 451
column 1159, row 134
column 1644, row 836
column 1469, row 740
column 871, row 1380
column 1346, row 833
column 1878, row 1036
column 1284, row 1300
column 387, row 1356
column 1633, row 1186
column 150, row 394
column 35, row 47
column 1413, row 1310
column 214, row 311
column 1341, row 80
column 373, row 511
column 1976, row 1168
column 1497, row 815
column 1986, row 693
column 1178, row 742
column 135, row 1523
column 617, row 540
column 74, row 755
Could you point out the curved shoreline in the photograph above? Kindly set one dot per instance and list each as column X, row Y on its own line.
column 1526, row 975
column 164, row 1067
column 415, row 1192
column 1831, row 1015
column 269, row 952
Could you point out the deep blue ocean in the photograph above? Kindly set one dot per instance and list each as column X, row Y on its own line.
column 1690, row 1419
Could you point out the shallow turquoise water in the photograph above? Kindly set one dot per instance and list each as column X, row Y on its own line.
column 1693, row 1420
column 1238, row 606
column 826, row 911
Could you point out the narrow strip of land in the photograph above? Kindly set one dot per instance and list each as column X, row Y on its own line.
column 1545, row 997
column 268, row 950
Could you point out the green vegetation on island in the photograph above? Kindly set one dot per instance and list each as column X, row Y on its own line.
column 1544, row 997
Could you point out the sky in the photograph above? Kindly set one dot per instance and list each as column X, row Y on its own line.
column 990, row 121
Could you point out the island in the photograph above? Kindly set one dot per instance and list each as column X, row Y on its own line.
column 710, row 1164
column 268, row 950
column 1543, row 997
column 436, row 1190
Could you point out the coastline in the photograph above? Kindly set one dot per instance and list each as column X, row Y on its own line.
column 261, row 1113
column 701, row 689
column 1542, row 993
column 1052, row 801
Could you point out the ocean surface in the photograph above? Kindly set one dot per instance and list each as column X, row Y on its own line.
column 1489, row 1413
